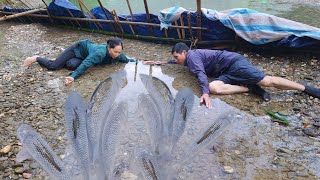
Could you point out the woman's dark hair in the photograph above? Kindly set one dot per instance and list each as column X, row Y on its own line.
column 114, row 41
column 179, row 47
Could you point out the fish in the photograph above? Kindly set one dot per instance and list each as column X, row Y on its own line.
column 215, row 130
column 182, row 110
column 100, row 104
column 110, row 136
column 39, row 150
column 148, row 165
column 75, row 110
column 151, row 114
column 163, row 99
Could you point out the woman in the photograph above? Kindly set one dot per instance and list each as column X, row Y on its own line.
column 82, row 55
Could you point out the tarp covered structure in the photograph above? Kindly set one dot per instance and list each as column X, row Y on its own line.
column 254, row 27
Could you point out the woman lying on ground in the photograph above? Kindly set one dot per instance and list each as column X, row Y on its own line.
column 82, row 55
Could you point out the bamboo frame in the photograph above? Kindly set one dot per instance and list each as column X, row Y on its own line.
column 116, row 21
column 110, row 21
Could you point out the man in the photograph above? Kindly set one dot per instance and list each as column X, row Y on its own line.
column 232, row 74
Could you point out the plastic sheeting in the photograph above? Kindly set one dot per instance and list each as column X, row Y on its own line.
column 253, row 26
column 260, row 28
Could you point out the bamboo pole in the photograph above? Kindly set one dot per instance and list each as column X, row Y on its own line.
column 182, row 30
column 64, row 21
column 105, row 13
column 178, row 30
column 21, row 14
column 89, row 13
column 189, row 25
column 148, row 15
column 47, row 11
column 73, row 16
column 116, row 18
column 112, row 21
column 130, row 27
column 199, row 18
column 131, row 14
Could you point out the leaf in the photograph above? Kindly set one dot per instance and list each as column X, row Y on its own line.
column 277, row 117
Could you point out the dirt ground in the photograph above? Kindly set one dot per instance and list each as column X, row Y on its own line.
column 36, row 96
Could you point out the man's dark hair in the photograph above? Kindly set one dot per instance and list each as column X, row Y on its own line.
column 114, row 41
column 179, row 47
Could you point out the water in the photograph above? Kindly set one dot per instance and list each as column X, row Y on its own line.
column 306, row 11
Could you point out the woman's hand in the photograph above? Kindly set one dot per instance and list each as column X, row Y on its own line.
column 68, row 80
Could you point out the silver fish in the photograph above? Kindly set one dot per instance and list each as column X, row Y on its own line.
column 100, row 104
column 76, row 118
column 110, row 136
column 182, row 109
column 162, row 97
column 38, row 148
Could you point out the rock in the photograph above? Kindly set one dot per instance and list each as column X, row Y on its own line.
column 228, row 169
column 26, row 175
column 285, row 150
column 6, row 149
column 19, row 170
column 128, row 176
column 311, row 132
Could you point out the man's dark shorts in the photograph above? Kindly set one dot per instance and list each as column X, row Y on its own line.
column 241, row 72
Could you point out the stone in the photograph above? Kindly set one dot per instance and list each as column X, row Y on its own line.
column 26, row 175
column 228, row 169
column 6, row 149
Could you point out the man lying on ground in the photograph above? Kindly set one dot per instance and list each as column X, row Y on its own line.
column 232, row 74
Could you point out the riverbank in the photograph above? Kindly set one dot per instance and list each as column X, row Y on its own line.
column 36, row 96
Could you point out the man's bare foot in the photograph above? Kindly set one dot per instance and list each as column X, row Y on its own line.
column 30, row 60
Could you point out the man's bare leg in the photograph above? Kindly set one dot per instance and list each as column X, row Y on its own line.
column 285, row 84
column 219, row 87
column 280, row 83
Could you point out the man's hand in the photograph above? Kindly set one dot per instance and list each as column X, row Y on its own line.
column 152, row 62
column 205, row 99
column 68, row 80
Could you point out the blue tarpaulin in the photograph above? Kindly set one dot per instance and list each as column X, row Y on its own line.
column 254, row 27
